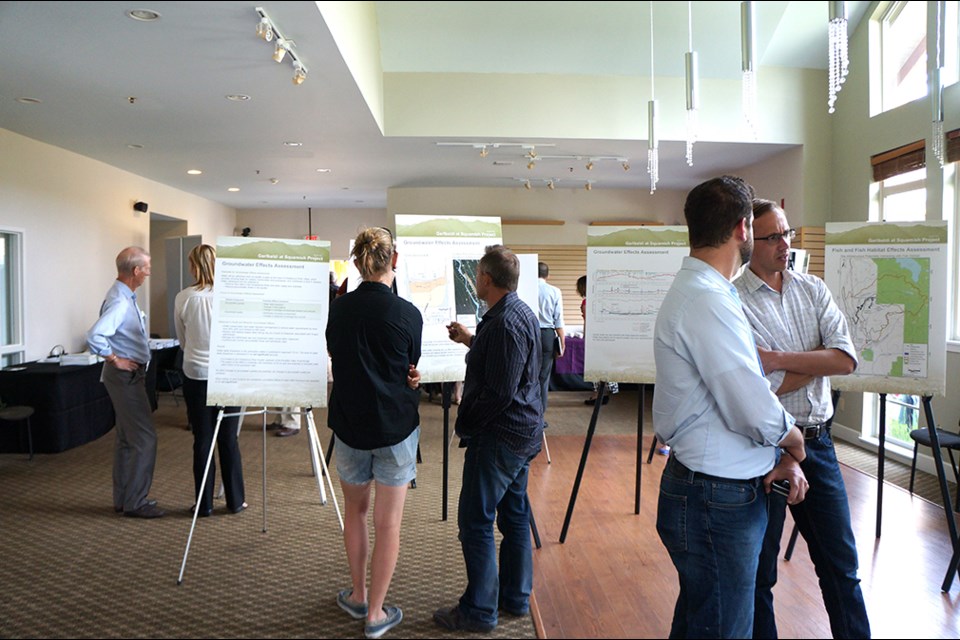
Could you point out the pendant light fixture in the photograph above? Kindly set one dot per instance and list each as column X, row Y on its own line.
column 936, row 87
column 748, row 64
column 692, row 86
column 653, row 143
column 838, row 60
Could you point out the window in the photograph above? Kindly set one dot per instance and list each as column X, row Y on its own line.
column 903, row 41
column 11, row 298
column 901, row 198
column 902, row 27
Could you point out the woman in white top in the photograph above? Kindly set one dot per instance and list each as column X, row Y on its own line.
column 193, row 309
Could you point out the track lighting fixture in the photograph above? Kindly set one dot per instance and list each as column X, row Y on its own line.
column 626, row 165
column 531, row 164
column 589, row 185
column 280, row 51
column 550, row 185
column 299, row 72
column 590, row 165
column 268, row 31
column 264, row 28
column 483, row 151
column 526, row 185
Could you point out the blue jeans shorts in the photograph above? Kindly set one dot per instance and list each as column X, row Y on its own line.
column 393, row 466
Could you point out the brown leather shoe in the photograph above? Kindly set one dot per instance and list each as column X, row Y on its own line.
column 284, row 432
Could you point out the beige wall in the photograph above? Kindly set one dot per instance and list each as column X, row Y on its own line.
column 76, row 215
column 339, row 226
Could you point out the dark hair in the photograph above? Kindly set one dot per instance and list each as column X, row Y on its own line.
column 502, row 265
column 761, row 206
column 373, row 250
column 582, row 286
column 714, row 209
column 543, row 270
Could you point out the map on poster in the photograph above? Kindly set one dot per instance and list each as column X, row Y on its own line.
column 629, row 271
column 889, row 281
column 267, row 339
column 437, row 272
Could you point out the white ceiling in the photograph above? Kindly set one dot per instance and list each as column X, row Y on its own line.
column 84, row 60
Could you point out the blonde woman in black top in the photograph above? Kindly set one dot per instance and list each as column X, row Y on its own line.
column 373, row 337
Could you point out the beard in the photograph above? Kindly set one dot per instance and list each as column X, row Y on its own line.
column 746, row 250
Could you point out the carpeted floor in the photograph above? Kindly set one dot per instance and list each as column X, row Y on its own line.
column 72, row 568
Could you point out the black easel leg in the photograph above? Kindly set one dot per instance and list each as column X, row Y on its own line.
column 636, row 500
column 792, row 543
column 446, row 391
column 601, row 389
column 881, row 457
column 330, row 448
column 533, row 527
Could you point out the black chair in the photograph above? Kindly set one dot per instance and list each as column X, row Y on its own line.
column 949, row 441
column 170, row 376
column 19, row 414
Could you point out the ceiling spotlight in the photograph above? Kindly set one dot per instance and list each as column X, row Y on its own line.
column 274, row 180
column 626, row 166
column 550, row 185
column 590, row 165
column 531, row 164
column 483, row 151
column 589, row 185
column 526, row 185
column 280, row 51
column 299, row 72
column 265, row 29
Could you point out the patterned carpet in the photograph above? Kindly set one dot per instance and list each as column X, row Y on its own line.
column 72, row 568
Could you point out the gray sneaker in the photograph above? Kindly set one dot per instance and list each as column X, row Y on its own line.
column 357, row 610
column 377, row 629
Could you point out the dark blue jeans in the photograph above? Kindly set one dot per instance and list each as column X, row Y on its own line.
column 495, row 488
column 823, row 519
column 713, row 529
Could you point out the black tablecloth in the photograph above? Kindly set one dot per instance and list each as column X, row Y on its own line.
column 72, row 406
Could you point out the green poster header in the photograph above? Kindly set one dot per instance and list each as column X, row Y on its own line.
column 283, row 251
column 416, row 226
column 886, row 233
column 639, row 237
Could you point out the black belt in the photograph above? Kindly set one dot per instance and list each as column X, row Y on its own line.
column 812, row 431
column 680, row 470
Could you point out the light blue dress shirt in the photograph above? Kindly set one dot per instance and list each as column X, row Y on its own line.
column 121, row 328
column 550, row 313
column 711, row 403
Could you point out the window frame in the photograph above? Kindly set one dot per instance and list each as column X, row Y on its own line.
column 12, row 352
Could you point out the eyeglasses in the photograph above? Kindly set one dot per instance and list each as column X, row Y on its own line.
column 774, row 238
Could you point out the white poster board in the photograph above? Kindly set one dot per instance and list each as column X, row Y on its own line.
column 267, row 342
column 890, row 280
column 528, row 289
column 436, row 271
column 629, row 271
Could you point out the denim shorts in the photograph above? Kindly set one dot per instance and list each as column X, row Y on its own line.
column 393, row 466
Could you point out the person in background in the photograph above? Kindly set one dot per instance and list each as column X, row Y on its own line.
column 803, row 338
column 287, row 422
column 724, row 425
column 192, row 317
column 373, row 337
column 500, row 422
column 612, row 387
column 120, row 337
column 552, row 339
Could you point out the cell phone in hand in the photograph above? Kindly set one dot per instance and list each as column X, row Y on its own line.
column 781, row 486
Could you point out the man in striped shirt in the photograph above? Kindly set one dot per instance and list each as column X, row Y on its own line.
column 802, row 337
column 500, row 422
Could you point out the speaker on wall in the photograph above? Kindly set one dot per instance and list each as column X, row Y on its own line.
column 141, row 207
